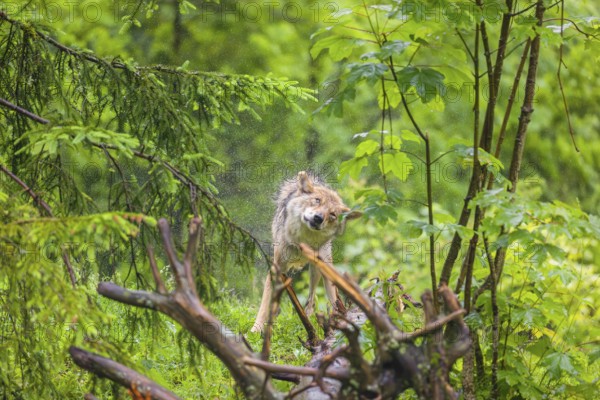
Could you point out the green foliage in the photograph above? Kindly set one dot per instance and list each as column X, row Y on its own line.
column 182, row 113
column 42, row 313
column 546, row 295
column 115, row 142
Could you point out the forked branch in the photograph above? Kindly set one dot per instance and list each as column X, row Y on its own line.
column 374, row 313
column 399, row 362
column 183, row 305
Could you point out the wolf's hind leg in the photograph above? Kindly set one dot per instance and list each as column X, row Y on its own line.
column 263, row 311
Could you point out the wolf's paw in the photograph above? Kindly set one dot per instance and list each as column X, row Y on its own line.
column 309, row 309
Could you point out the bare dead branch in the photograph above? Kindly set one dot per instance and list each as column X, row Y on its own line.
column 160, row 286
column 332, row 372
column 374, row 313
column 339, row 374
column 192, row 246
column 300, row 390
column 361, row 370
column 116, row 372
column 434, row 326
column 308, row 326
column 137, row 298
column 169, row 246
column 185, row 307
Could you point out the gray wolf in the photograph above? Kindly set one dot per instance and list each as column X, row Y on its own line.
column 308, row 211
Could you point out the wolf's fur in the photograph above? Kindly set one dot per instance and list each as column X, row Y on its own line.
column 308, row 211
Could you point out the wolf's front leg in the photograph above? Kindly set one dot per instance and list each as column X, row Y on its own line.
column 331, row 291
column 327, row 254
column 315, row 277
column 263, row 311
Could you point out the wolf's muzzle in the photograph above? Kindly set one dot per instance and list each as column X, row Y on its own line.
column 315, row 222
column 318, row 219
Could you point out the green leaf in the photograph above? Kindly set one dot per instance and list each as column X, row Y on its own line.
column 424, row 227
column 339, row 47
column 428, row 83
column 409, row 230
column 594, row 355
column 371, row 72
column 397, row 163
column 370, row 195
column 410, row 136
column 466, row 153
column 557, row 363
column 126, row 26
column 381, row 213
column 540, row 346
column 367, row 148
column 391, row 142
column 392, row 95
column 185, row 7
column 353, row 167
column 550, row 36
column 335, row 105
column 529, row 316
column 392, row 48
column 474, row 320
column 464, row 232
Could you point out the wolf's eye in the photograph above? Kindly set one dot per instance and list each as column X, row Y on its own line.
column 317, row 200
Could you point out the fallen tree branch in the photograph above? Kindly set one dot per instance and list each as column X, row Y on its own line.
column 339, row 374
column 185, row 307
column 333, row 372
column 116, row 372
column 425, row 367
column 374, row 313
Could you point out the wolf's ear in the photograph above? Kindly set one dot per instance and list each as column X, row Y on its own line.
column 350, row 215
column 305, row 184
column 353, row 215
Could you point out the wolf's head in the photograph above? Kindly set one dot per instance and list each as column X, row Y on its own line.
column 322, row 209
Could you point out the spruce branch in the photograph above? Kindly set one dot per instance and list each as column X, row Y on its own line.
column 189, row 182
column 46, row 209
column 23, row 111
column 311, row 332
